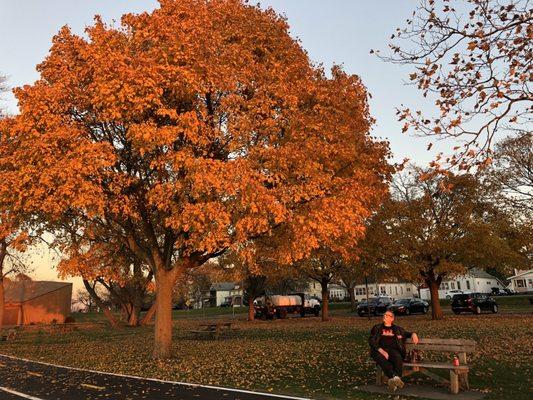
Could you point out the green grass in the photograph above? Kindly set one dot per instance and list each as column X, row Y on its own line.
column 298, row 356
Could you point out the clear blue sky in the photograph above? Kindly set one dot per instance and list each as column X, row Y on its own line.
column 333, row 31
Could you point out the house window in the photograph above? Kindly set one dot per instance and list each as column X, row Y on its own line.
column 382, row 290
column 520, row 283
column 396, row 289
column 458, row 285
column 488, row 282
column 447, row 286
column 468, row 284
column 401, row 289
column 530, row 282
column 452, row 284
column 408, row 289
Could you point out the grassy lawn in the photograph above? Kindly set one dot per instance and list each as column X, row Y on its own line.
column 293, row 356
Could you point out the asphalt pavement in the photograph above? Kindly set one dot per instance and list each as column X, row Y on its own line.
column 21, row 379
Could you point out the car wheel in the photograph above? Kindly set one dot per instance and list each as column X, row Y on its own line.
column 317, row 311
column 448, row 297
column 407, row 311
column 477, row 310
column 495, row 308
column 456, row 312
column 425, row 311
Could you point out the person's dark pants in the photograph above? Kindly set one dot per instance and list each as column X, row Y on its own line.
column 392, row 366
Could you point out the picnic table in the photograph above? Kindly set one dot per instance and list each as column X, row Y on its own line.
column 214, row 329
column 458, row 373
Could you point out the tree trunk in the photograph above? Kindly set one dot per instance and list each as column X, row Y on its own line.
column 164, row 282
column 353, row 303
column 149, row 315
column 251, row 310
column 1, row 301
column 133, row 320
column 436, row 310
column 99, row 303
column 3, row 253
column 325, row 301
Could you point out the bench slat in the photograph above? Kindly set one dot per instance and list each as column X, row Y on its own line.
column 462, row 342
column 423, row 364
column 441, row 347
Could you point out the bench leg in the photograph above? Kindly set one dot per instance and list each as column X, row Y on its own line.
column 463, row 380
column 379, row 375
column 454, row 382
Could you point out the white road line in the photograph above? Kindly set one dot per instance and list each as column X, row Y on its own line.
column 23, row 395
column 194, row 385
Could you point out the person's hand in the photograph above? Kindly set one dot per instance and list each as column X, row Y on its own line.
column 414, row 337
column 384, row 353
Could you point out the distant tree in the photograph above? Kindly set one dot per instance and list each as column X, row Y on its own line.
column 112, row 267
column 440, row 226
column 474, row 56
column 322, row 267
column 512, row 173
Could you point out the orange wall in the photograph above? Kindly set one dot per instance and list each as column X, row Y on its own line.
column 43, row 309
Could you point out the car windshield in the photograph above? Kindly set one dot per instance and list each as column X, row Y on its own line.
column 460, row 296
column 402, row 301
column 370, row 301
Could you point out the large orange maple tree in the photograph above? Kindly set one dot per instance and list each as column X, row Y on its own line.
column 194, row 129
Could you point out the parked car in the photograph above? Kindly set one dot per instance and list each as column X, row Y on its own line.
column 374, row 306
column 474, row 303
column 409, row 306
column 450, row 293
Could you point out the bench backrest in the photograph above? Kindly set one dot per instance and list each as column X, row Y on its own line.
column 443, row 345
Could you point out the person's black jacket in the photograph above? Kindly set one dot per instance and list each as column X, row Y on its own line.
column 399, row 333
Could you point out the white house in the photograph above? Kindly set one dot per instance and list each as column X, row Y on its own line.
column 396, row 290
column 224, row 292
column 475, row 281
column 522, row 281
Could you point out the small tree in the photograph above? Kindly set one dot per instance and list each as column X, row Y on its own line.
column 441, row 225
column 511, row 173
column 323, row 267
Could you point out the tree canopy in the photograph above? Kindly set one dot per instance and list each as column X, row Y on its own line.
column 191, row 130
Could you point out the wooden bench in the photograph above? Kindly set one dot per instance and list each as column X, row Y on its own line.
column 458, row 374
column 213, row 330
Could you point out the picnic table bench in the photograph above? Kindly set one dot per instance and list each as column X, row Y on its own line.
column 11, row 334
column 458, row 374
column 214, row 329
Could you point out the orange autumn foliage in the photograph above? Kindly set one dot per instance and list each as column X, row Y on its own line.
column 197, row 128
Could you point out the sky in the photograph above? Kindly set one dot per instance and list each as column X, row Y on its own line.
column 333, row 32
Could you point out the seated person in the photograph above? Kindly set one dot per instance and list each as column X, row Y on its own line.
column 387, row 348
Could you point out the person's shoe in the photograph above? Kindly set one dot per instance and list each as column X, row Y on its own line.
column 399, row 382
column 392, row 384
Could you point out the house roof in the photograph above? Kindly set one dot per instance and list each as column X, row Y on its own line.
column 224, row 286
column 20, row 292
column 479, row 273
column 529, row 271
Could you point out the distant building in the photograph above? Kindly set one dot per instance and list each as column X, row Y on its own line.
column 396, row 290
column 225, row 293
column 522, row 281
column 474, row 281
column 35, row 302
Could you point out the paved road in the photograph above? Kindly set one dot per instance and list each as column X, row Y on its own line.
column 21, row 379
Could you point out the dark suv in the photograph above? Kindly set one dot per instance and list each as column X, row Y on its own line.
column 474, row 303
column 375, row 306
